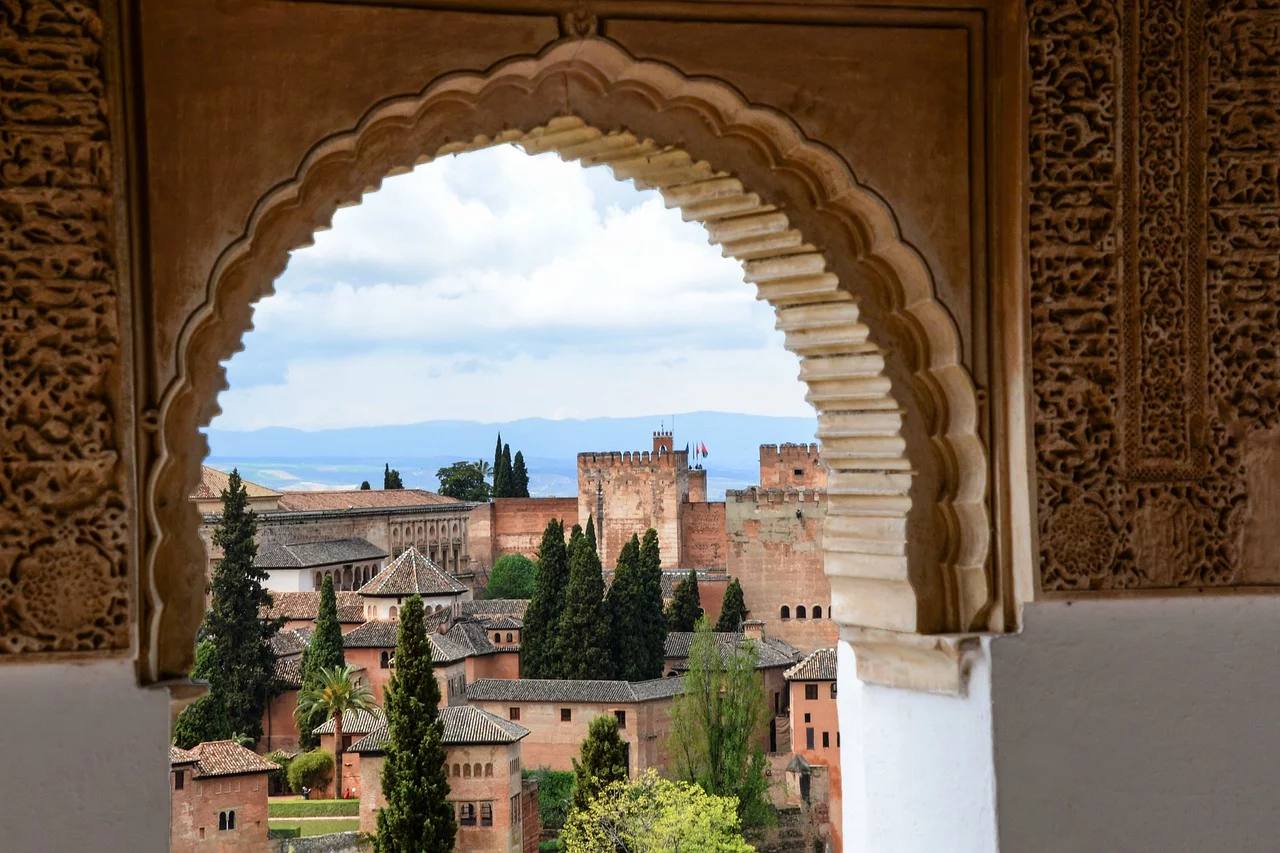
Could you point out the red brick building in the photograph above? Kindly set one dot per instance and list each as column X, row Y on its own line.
column 815, row 738
column 218, row 799
column 355, row 725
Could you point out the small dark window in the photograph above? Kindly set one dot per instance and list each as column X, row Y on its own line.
column 497, row 638
column 179, row 779
column 513, row 714
column 466, row 814
column 488, row 769
column 786, row 612
column 837, row 740
column 800, row 612
column 566, row 715
column 808, row 718
column 486, row 814
column 808, row 738
column 833, row 690
column 384, row 660
column 811, row 691
column 622, row 718
column 231, row 820
column 817, row 611
column 509, row 638
column 799, row 472
column 826, row 739
column 222, row 821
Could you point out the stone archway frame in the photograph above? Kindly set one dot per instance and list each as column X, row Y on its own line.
column 883, row 370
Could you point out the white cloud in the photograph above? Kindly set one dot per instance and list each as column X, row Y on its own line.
column 498, row 285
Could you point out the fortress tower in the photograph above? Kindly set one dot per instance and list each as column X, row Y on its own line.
column 791, row 466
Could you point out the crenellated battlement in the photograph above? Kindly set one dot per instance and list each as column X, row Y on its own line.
column 794, row 466
column 783, row 452
column 766, row 497
column 633, row 458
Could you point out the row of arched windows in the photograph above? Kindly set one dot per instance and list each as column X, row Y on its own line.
column 226, row 821
column 347, row 578
column 497, row 638
column 801, row 613
column 468, row 771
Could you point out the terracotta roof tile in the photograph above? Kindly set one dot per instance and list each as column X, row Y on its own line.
column 287, row 644
column 222, row 758
column 214, row 482
column 568, row 690
column 353, row 723
column 819, row 665
column 496, row 607
column 413, row 574
column 299, row 606
column 303, row 555
column 361, row 499
column 463, row 724
column 177, row 755
column 288, row 673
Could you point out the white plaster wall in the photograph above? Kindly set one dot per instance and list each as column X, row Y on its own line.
column 1140, row 725
column 85, row 755
column 289, row 580
column 916, row 768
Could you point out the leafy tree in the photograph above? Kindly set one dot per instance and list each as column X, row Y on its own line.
column 206, row 718
column 237, row 663
column 512, row 576
column 555, row 795
column 519, row 477
column 590, row 533
column 364, row 486
column 583, row 634
column 624, row 605
column 391, row 478
column 542, row 618
column 323, row 653
column 652, row 814
column 312, row 769
column 417, row 817
column 604, row 761
column 686, row 604
column 464, row 481
column 734, row 610
column 717, row 723
column 337, row 690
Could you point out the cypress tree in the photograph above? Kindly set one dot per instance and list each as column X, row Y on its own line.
column 519, row 477
column 604, row 761
column 686, row 604
column 391, row 478
column 238, row 662
column 624, row 605
column 206, row 718
column 734, row 609
column 583, row 632
column 537, row 639
column 324, row 651
column 500, row 485
column 590, row 533
column 508, row 473
column 418, row 817
column 651, row 621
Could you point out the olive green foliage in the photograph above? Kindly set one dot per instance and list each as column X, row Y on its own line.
column 323, row 652
column 555, row 795
column 391, row 478
column 602, row 760
column 512, row 576
column 734, row 609
column 542, row 618
column 235, row 659
column 311, row 769
column 464, row 481
column 582, row 638
column 717, row 726
column 417, row 817
column 686, row 604
column 654, row 814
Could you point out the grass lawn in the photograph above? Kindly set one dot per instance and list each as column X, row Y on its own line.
column 279, row 807
column 321, row 826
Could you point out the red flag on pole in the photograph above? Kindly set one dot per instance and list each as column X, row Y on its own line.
column 703, row 449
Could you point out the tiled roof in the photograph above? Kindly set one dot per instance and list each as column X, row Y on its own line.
column 471, row 635
column 496, row 607
column 221, row 758
column 214, row 482
column 375, row 634
column 410, row 574
column 557, row 690
column 501, row 623
column 445, row 648
column 817, row 666
column 297, row 606
column 463, row 724
column 361, row 499
column 288, row 672
column 353, row 723
column 770, row 651
column 303, row 555
column 287, row 644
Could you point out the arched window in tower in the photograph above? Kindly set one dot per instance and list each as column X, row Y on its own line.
column 785, row 613
column 817, row 611
column 800, row 614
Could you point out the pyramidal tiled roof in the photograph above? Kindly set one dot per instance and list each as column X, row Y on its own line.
column 220, row 758
column 463, row 724
column 457, row 644
column 412, row 574
column 819, row 665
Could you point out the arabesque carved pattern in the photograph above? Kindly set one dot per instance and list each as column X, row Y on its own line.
column 63, row 528
column 1155, row 260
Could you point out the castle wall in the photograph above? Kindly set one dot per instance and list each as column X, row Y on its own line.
column 638, row 490
column 777, row 557
column 518, row 523
column 697, row 485
column 794, row 466
column 702, row 535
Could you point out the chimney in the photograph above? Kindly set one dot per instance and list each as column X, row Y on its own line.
column 753, row 629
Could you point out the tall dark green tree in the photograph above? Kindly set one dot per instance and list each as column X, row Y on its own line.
column 542, row 618
column 624, row 605
column 417, row 817
column 651, row 621
column 583, row 634
column 508, row 473
column 590, row 533
column 238, row 662
column 323, row 652
column 391, row 478
column 206, row 718
column 602, row 760
column 734, row 608
column 686, row 604
column 519, row 477
column 501, row 477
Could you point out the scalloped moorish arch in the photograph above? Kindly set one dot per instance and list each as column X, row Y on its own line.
column 907, row 530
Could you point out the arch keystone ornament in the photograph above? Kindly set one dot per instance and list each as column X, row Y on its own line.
column 906, row 534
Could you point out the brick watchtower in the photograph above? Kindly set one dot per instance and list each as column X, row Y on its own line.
column 663, row 442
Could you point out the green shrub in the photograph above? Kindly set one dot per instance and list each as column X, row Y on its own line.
column 555, row 795
column 551, row 845
column 314, row 808
column 279, row 779
column 512, row 576
column 312, row 769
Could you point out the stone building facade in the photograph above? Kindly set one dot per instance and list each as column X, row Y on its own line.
column 815, row 736
column 218, row 799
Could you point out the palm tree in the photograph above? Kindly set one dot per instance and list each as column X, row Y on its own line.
column 486, row 470
column 337, row 690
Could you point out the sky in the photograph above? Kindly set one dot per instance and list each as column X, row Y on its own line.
column 495, row 285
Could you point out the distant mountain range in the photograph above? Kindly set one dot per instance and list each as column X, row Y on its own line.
column 285, row 458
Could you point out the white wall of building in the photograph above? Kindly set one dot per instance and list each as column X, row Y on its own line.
column 289, row 580
column 85, row 759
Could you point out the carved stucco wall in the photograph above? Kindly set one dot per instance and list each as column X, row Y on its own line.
column 1155, row 268
column 64, row 583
